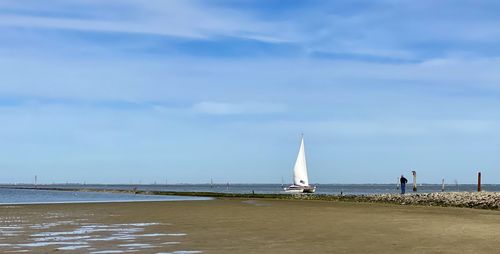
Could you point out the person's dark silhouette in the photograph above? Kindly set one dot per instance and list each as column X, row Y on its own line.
column 403, row 182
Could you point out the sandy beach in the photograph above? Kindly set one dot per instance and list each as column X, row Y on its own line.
column 247, row 226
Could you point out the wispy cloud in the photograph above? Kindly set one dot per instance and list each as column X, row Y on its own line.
column 224, row 108
column 392, row 130
column 185, row 19
column 375, row 31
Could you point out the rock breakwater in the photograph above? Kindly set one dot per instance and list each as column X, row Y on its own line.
column 483, row 200
column 480, row 200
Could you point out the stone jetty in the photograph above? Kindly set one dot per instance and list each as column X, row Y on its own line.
column 480, row 200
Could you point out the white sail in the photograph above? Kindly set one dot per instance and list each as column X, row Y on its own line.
column 300, row 168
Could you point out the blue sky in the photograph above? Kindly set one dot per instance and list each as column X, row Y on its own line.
column 136, row 91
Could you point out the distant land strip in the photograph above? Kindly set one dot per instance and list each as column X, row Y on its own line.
column 477, row 200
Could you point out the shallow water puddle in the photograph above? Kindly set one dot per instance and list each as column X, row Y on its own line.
column 181, row 252
column 149, row 235
column 134, row 245
column 137, row 245
column 112, row 238
column 41, row 244
column 175, row 234
column 75, row 231
column 7, row 232
column 73, row 247
column 170, row 243
column 113, row 251
column 60, row 238
column 11, row 227
column 91, row 229
column 140, row 224
column 52, row 224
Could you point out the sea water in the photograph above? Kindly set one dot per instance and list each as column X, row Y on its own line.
column 352, row 189
column 346, row 189
column 33, row 196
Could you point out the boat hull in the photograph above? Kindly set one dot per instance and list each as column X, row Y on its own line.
column 300, row 189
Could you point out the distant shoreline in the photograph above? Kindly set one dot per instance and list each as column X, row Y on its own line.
column 477, row 200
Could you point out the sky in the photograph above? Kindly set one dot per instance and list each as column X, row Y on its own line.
column 134, row 91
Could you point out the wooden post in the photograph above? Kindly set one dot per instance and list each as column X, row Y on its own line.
column 442, row 184
column 479, row 181
column 414, row 180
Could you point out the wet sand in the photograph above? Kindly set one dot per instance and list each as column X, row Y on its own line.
column 247, row 226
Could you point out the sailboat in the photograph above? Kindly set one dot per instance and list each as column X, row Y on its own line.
column 300, row 179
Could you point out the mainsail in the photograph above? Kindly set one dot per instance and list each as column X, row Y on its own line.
column 300, row 168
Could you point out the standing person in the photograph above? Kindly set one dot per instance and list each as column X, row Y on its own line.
column 403, row 182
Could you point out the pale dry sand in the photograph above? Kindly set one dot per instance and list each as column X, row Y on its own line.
column 249, row 226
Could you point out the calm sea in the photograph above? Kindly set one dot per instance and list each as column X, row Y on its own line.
column 28, row 196
column 37, row 196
